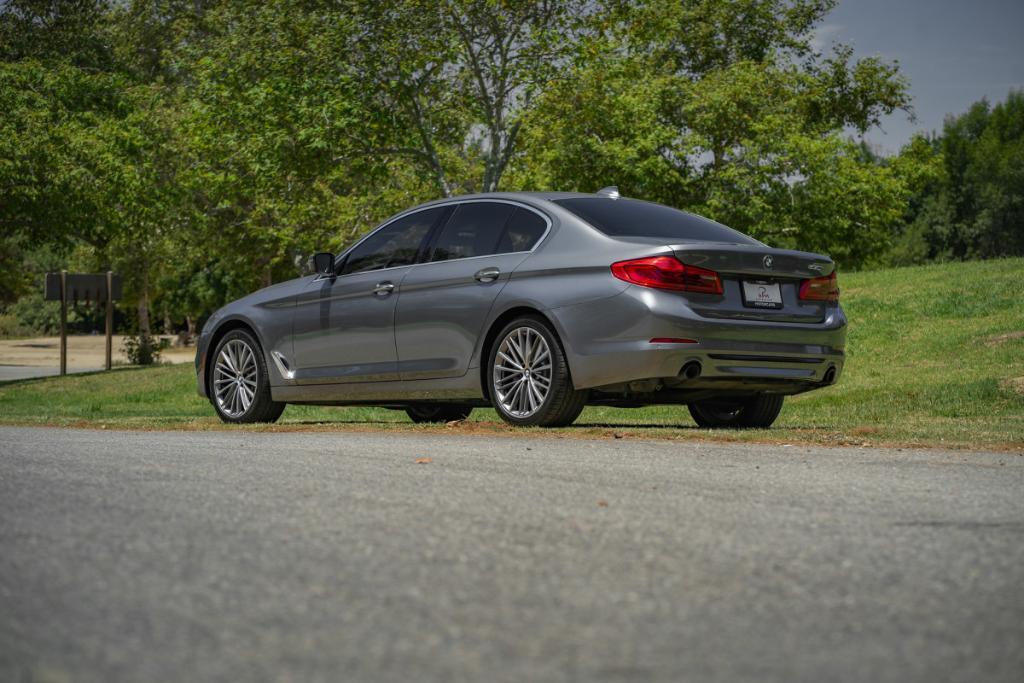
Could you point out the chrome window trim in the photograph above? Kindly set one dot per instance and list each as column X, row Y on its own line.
column 445, row 204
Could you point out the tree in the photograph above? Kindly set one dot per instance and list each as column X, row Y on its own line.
column 74, row 32
column 450, row 81
column 274, row 130
column 972, row 205
column 725, row 109
column 89, row 148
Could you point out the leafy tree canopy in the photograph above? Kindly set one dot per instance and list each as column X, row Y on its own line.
column 206, row 147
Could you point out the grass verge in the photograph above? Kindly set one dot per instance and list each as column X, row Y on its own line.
column 935, row 358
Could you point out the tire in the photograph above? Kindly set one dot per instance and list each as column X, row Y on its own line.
column 244, row 397
column 560, row 404
column 426, row 413
column 758, row 412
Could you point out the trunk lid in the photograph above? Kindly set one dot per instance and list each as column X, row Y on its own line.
column 750, row 275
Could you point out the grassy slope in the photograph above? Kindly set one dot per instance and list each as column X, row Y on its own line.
column 926, row 365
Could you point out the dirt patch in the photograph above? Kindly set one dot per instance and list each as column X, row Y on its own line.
column 1003, row 338
column 1014, row 384
column 862, row 431
column 84, row 351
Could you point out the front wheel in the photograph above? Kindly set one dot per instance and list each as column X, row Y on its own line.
column 530, row 382
column 239, row 386
column 758, row 412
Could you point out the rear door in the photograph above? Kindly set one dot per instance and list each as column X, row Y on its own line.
column 446, row 300
column 344, row 326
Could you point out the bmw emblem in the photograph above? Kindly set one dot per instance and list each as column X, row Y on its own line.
column 768, row 260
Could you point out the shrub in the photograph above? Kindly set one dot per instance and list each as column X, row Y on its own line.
column 10, row 327
column 144, row 349
column 38, row 317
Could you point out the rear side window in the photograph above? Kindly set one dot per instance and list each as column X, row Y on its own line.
column 474, row 230
column 635, row 218
column 522, row 231
column 396, row 244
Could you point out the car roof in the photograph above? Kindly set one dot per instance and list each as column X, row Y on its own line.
column 549, row 196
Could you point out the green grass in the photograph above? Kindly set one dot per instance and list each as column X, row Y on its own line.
column 932, row 359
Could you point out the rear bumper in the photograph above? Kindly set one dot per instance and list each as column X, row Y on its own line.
column 608, row 343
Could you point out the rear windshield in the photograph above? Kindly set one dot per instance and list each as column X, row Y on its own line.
column 634, row 218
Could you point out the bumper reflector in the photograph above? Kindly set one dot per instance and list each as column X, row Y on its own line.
column 672, row 340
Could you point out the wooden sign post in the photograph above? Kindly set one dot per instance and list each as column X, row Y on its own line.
column 63, row 322
column 64, row 286
column 110, row 319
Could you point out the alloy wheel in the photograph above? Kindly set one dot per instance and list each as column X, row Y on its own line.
column 522, row 372
column 234, row 378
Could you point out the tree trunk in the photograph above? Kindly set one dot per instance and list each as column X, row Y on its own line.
column 144, row 329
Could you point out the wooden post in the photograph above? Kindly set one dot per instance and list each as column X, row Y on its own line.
column 63, row 322
column 110, row 316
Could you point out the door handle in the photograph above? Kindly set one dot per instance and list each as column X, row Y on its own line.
column 487, row 275
column 383, row 288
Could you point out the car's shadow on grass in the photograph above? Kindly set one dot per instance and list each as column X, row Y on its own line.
column 575, row 427
column 320, row 423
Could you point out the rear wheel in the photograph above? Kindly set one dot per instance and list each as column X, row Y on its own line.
column 758, row 412
column 530, row 382
column 239, row 387
column 437, row 412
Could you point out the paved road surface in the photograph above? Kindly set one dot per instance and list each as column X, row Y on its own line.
column 13, row 372
column 334, row 557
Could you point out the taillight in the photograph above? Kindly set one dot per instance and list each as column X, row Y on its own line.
column 666, row 272
column 820, row 289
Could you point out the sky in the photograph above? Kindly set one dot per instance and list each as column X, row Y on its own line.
column 954, row 52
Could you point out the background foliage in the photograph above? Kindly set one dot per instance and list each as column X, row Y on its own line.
column 204, row 148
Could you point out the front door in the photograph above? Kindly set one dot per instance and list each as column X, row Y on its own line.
column 344, row 326
column 446, row 300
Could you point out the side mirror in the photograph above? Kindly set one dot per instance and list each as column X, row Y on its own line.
column 323, row 263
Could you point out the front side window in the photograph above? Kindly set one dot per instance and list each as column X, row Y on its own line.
column 396, row 244
column 473, row 230
column 635, row 218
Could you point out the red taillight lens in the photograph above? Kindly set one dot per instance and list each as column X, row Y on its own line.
column 820, row 289
column 666, row 272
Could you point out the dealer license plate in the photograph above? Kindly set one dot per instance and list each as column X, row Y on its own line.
column 760, row 294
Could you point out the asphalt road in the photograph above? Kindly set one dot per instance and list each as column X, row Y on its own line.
column 235, row 556
column 16, row 372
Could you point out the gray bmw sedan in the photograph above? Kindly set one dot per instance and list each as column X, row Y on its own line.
column 538, row 304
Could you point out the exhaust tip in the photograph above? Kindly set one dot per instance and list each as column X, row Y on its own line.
column 691, row 370
column 830, row 375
